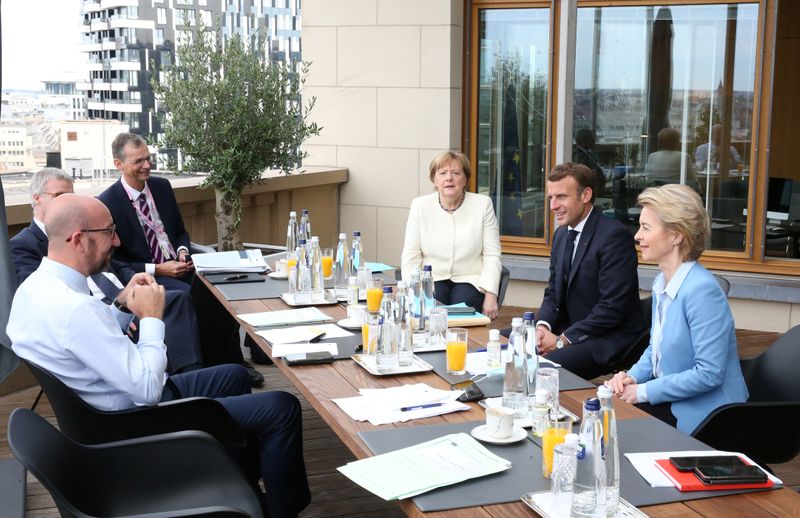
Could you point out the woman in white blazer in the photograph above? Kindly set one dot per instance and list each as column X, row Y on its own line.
column 456, row 232
column 691, row 366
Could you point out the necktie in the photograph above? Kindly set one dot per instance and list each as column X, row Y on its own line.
column 149, row 233
column 566, row 261
column 109, row 289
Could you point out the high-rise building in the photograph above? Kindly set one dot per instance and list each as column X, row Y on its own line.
column 123, row 39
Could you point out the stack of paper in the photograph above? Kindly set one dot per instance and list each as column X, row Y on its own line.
column 476, row 364
column 400, row 404
column 417, row 469
column 466, row 320
column 285, row 317
column 236, row 261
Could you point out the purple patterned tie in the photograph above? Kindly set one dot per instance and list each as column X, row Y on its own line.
column 149, row 233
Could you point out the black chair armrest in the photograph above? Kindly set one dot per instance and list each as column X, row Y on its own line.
column 197, row 248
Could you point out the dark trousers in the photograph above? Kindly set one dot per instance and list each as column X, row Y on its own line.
column 448, row 292
column 180, row 333
column 662, row 411
column 218, row 330
column 577, row 358
column 171, row 283
column 273, row 424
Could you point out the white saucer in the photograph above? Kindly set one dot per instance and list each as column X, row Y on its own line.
column 276, row 275
column 517, row 434
column 348, row 324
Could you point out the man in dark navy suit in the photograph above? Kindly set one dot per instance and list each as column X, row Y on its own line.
column 153, row 239
column 590, row 312
column 149, row 224
column 30, row 245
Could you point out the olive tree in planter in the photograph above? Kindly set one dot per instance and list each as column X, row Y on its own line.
column 233, row 113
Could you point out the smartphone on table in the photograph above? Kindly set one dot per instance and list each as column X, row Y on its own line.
column 308, row 358
column 472, row 392
column 730, row 474
column 689, row 463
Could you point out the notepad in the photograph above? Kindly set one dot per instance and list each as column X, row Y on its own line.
column 235, row 261
column 285, row 317
column 687, row 481
column 420, row 468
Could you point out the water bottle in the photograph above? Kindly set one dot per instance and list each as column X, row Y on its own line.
column 387, row 359
column 531, row 358
column 539, row 411
column 494, row 353
column 426, row 282
column 402, row 320
column 352, row 290
column 341, row 266
column 515, row 388
column 304, row 230
column 291, row 232
column 303, row 267
column 415, row 292
column 610, row 449
column 589, row 490
column 317, row 279
column 356, row 253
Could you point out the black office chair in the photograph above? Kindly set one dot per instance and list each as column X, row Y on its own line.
column 724, row 283
column 505, row 276
column 85, row 424
column 634, row 350
column 176, row 474
column 774, row 388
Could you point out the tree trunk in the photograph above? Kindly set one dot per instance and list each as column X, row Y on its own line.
column 227, row 221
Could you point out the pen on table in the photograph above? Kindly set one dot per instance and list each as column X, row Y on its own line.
column 316, row 338
column 420, row 407
column 235, row 277
column 504, row 346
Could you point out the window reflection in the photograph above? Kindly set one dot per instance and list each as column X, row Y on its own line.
column 512, row 121
column 665, row 95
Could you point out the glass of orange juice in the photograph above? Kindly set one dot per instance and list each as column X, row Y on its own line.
column 557, row 427
column 370, row 328
column 374, row 294
column 327, row 262
column 456, row 351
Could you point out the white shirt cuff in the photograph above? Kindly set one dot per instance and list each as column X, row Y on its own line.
column 151, row 330
column 150, row 268
column 543, row 323
column 641, row 393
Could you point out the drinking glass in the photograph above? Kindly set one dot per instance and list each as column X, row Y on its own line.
column 374, row 294
column 370, row 329
column 327, row 262
column 437, row 326
column 565, row 463
column 547, row 378
column 364, row 275
column 557, row 427
column 456, row 350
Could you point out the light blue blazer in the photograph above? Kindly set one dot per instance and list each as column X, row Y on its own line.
column 699, row 358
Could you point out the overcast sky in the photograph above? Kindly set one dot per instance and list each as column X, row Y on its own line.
column 40, row 41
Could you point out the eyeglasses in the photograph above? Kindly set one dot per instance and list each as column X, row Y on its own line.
column 112, row 230
column 140, row 161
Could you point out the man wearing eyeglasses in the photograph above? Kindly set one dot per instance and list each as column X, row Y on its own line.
column 29, row 247
column 152, row 236
column 56, row 324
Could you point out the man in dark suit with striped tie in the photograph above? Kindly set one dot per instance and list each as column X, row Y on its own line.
column 30, row 246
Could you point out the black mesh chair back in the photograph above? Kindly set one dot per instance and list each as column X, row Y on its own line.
column 724, row 283
column 634, row 350
column 85, row 424
column 773, row 375
column 505, row 276
column 177, row 474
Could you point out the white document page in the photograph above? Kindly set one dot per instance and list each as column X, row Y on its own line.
column 281, row 350
column 288, row 335
column 285, row 317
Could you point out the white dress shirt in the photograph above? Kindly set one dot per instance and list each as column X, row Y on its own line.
column 463, row 246
column 58, row 325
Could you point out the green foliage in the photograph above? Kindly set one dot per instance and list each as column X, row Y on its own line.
column 231, row 111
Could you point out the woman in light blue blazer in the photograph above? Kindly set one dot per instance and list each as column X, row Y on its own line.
column 691, row 366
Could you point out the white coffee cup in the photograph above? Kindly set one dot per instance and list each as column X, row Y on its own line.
column 281, row 267
column 499, row 422
column 356, row 313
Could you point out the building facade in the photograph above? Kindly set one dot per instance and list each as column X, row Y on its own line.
column 644, row 92
column 123, row 39
column 16, row 149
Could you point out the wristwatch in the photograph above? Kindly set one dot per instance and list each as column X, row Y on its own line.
column 120, row 306
column 559, row 342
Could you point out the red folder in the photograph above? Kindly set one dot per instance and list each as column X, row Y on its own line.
column 687, row 481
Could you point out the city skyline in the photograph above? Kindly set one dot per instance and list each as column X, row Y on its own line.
column 41, row 41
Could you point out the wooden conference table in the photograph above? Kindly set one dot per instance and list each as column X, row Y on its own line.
column 321, row 383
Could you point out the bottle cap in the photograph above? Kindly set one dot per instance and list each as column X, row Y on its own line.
column 342, row 235
column 315, row 239
column 353, row 280
column 427, row 268
column 516, row 321
column 292, row 214
column 494, row 335
column 401, row 285
column 357, row 233
column 541, row 396
column 305, row 211
column 387, row 289
column 528, row 315
column 604, row 392
column 301, row 241
column 572, row 439
column 591, row 404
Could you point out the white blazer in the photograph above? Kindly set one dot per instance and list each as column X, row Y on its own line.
column 463, row 246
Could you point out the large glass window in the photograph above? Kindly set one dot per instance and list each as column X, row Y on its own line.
column 664, row 94
column 511, row 139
